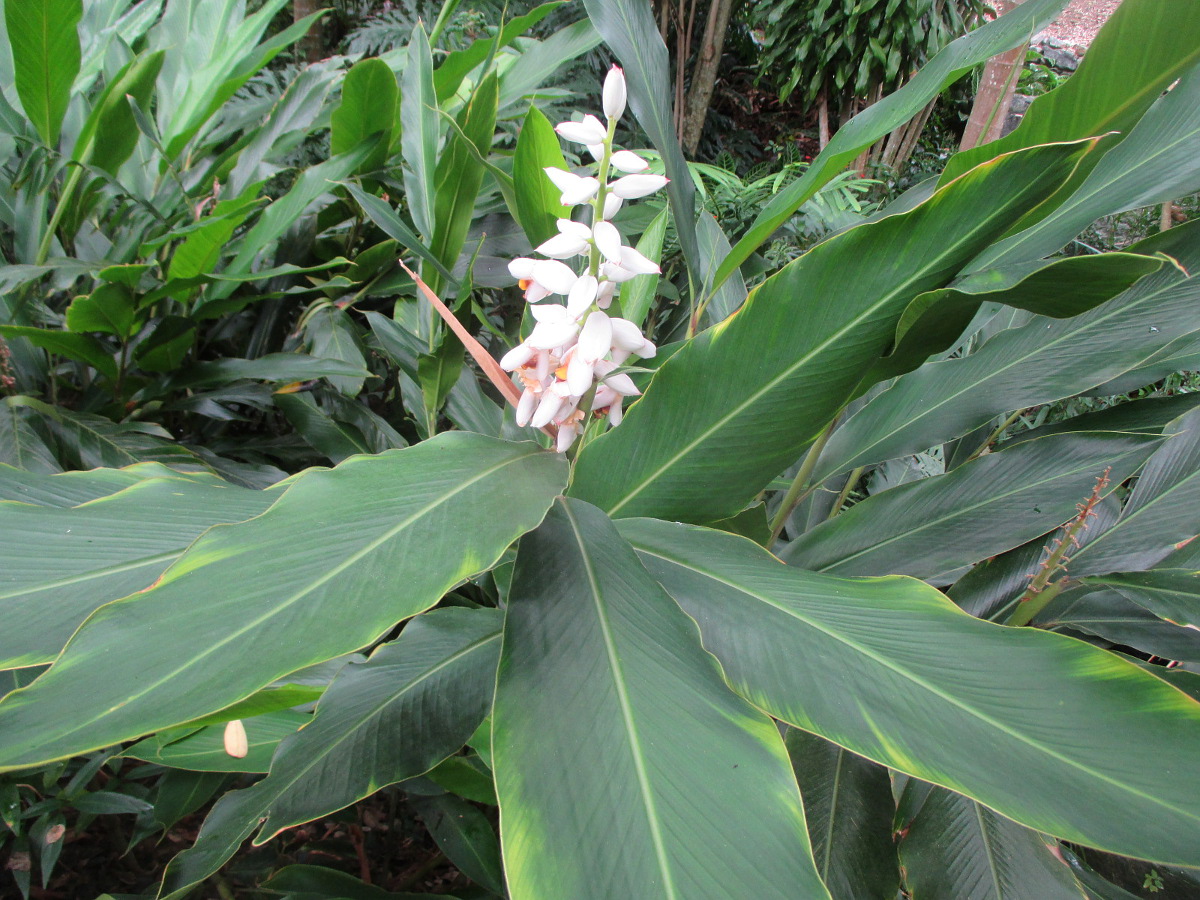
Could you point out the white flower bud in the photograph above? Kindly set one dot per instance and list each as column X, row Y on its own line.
column 546, row 409
column 237, row 744
column 548, row 335
column 626, row 335
column 582, row 295
column 631, row 187
column 566, row 226
column 608, row 241
column 517, row 357
column 575, row 189
column 579, row 374
column 636, row 263
column 525, row 407
column 590, row 131
column 613, row 95
column 612, row 205
column 566, row 436
column 521, row 268
column 595, row 339
column 556, row 277
column 563, row 246
column 605, row 294
column 627, row 161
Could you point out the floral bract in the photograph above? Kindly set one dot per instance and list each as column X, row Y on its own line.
column 571, row 357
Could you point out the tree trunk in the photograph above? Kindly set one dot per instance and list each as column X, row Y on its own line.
column 313, row 43
column 704, row 77
column 996, row 89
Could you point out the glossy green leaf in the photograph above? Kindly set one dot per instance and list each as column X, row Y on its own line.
column 332, row 334
column 420, row 130
column 1155, row 164
column 849, row 806
column 1044, row 360
column 734, row 407
column 201, row 248
column 1058, row 288
column 459, row 175
column 275, row 367
column 332, row 438
column 321, row 883
column 370, row 106
column 890, row 669
column 109, row 309
column 1149, row 416
column 466, row 836
column 60, row 564
column 957, row 849
column 934, row 526
column 1160, row 514
column 413, row 703
column 22, row 444
column 393, row 515
column 1095, row 609
column 1171, row 594
column 204, row 750
column 110, row 133
column 73, row 488
column 656, row 780
column 45, row 52
column 876, row 121
column 536, row 197
column 540, row 61
column 1143, row 47
column 393, row 226
column 80, row 347
column 167, row 346
column 629, row 29
column 457, row 65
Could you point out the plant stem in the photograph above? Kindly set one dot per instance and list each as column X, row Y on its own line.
column 996, row 434
column 43, row 251
column 797, row 491
column 851, row 481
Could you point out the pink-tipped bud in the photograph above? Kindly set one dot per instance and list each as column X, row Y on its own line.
column 614, row 94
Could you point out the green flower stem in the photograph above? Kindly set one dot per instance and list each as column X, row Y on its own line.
column 800, row 488
column 601, row 195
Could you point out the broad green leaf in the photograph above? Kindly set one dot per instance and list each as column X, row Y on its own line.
column 1149, row 416
column 420, row 130
column 21, row 443
column 60, row 564
column 334, row 439
column 458, row 176
column 1143, row 47
column 110, row 134
column 734, row 407
column 109, row 309
column 655, row 779
column 714, row 247
column 1155, row 164
column 321, row 883
column 272, row 367
column 849, row 806
column 1171, row 594
column 466, row 836
column 1160, row 514
column 204, row 751
column 957, row 849
column 394, row 227
column 87, row 441
column 457, row 65
column 1044, row 360
column 1094, row 609
column 364, row 545
column 1009, row 30
column 45, row 50
column 541, row 61
column 536, row 196
column 893, row 671
column 935, row 526
column 80, row 347
column 370, row 106
column 437, row 373
column 73, row 488
column 168, row 344
column 1058, row 288
column 180, row 793
column 413, row 703
column 331, row 334
column 629, row 29
column 638, row 293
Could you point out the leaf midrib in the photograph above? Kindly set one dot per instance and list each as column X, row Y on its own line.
column 622, row 692
column 923, row 683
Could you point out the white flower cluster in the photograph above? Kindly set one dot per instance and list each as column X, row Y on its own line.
column 574, row 348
